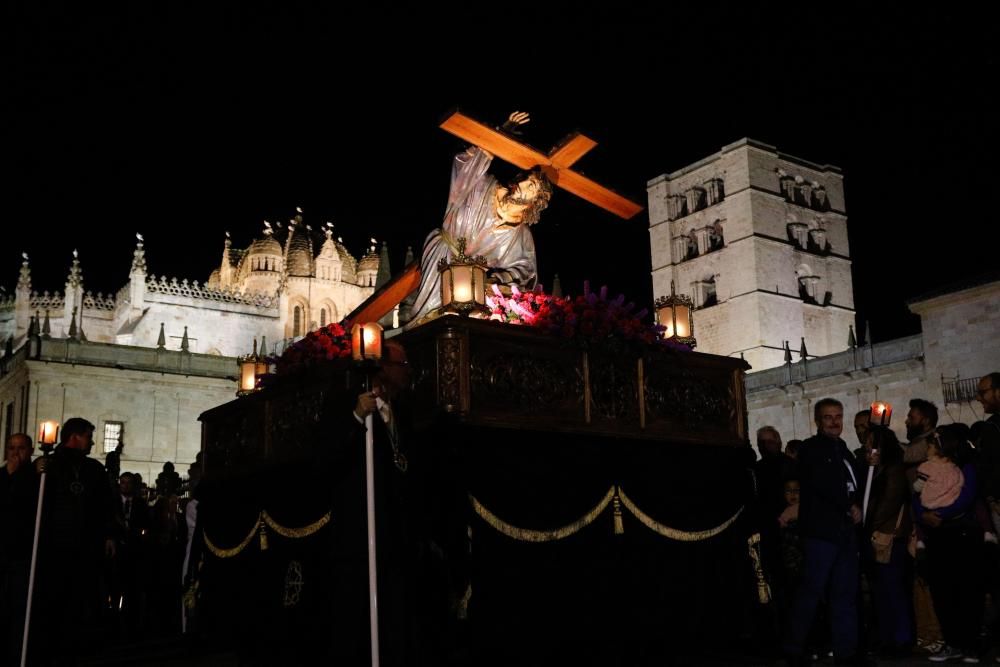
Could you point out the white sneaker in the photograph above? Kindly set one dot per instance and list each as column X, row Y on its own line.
column 945, row 654
column 970, row 659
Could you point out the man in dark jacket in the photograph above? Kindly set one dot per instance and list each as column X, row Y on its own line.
column 828, row 513
column 988, row 394
column 18, row 499
column 79, row 526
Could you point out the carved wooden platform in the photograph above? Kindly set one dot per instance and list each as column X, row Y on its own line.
column 491, row 374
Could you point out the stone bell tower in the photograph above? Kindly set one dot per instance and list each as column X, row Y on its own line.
column 758, row 239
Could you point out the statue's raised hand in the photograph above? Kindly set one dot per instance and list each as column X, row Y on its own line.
column 515, row 121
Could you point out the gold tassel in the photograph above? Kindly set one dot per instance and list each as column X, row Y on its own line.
column 616, row 503
column 763, row 590
column 263, row 537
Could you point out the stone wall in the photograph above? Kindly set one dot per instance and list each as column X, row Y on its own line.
column 156, row 394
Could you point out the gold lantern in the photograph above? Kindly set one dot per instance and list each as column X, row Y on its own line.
column 463, row 283
column 676, row 314
column 252, row 366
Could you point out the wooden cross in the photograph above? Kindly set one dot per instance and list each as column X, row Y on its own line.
column 556, row 166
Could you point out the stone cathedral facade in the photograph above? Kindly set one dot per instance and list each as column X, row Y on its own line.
column 144, row 362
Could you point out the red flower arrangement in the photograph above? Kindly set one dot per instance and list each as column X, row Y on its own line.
column 591, row 319
column 322, row 345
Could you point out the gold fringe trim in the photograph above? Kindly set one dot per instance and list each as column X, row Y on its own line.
column 528, row 535
column 674, row 533
column 763, row 590
column 265, row 519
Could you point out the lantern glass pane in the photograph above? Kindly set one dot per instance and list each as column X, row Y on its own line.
column 462, row 283
column 48, row 432
column 356, row 342
column 479, row 284
column 247, row 375
column 373, row 340
column 446, row 287
column 664, row 316
column 683, row 314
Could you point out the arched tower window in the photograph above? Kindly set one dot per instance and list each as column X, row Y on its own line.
column 322, row 317
column 297, row 321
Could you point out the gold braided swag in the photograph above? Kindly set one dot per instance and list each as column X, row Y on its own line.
column 528, row 535
column 615, row 497
column 264, row 521
column 675, row 533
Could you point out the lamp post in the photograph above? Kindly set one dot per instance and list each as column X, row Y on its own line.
column 674, row 312
column 366, row 350
column 463, row 283
column 48, row 434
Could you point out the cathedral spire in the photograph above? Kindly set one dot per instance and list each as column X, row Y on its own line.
column 139, row 256
column 73, row 299
column 24, row 279
column 22, row 297
column 75, row 278
column 384, row 273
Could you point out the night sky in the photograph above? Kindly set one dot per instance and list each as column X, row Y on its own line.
column 181, row 122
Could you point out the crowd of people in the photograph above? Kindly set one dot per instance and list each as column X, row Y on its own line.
column 110, row 550
column 889, row 550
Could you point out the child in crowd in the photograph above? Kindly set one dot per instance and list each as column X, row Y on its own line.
column 939, row 480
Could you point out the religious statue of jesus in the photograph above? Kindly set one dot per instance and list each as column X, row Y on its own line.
column 495, row 221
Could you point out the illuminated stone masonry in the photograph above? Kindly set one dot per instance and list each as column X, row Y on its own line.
column 159, row 351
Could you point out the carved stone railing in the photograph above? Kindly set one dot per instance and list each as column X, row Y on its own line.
column 846, row 362
column 45, row 301
column 195, row 291
column 98, row 301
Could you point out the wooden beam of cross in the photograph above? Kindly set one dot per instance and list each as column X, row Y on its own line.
column 386, row 297
column 556, row 164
